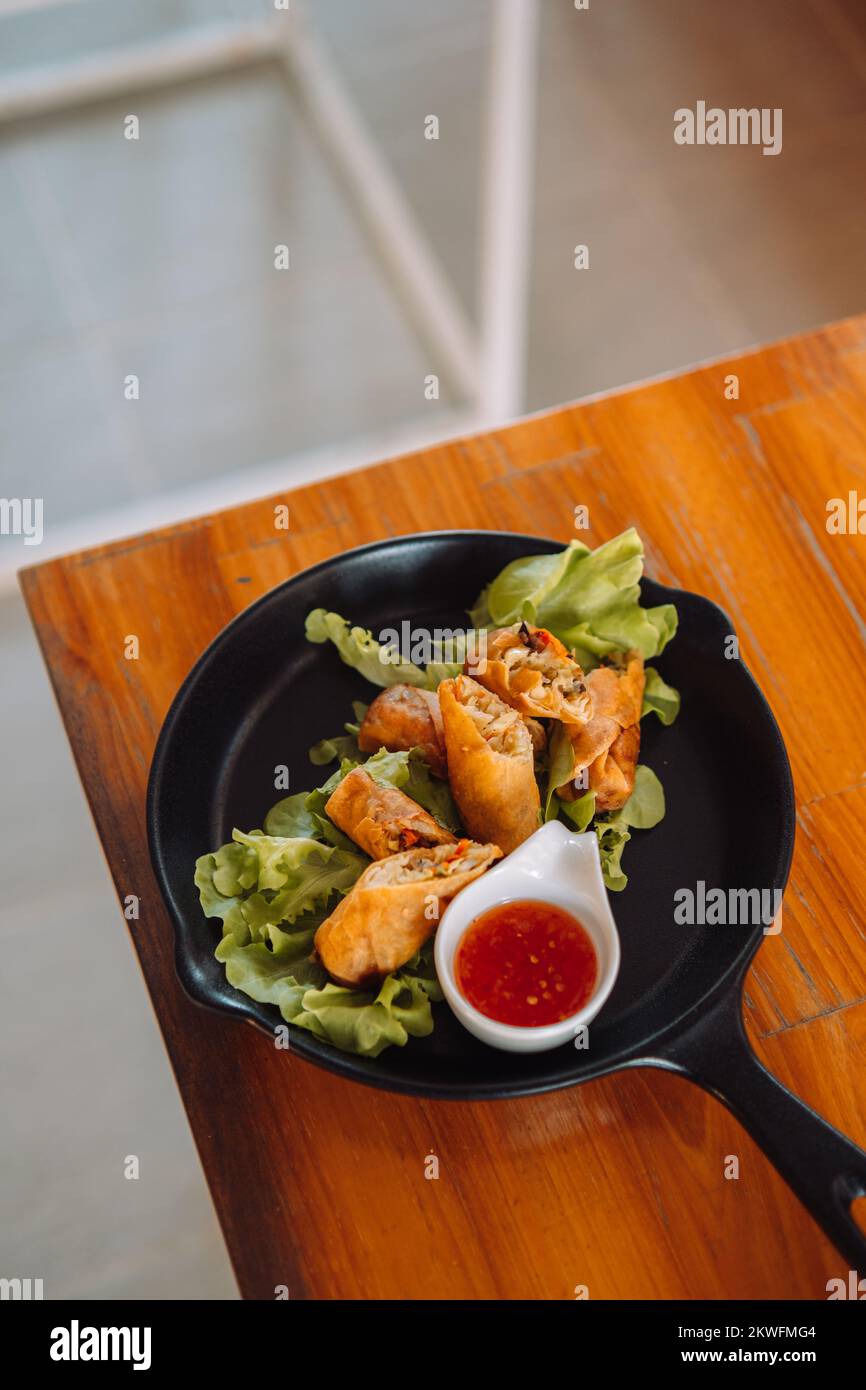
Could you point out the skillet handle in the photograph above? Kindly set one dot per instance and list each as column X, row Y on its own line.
column 825, row 1170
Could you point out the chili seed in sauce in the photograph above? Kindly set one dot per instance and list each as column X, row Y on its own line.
column 528, row 963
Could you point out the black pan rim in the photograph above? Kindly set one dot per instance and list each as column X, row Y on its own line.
column 367, row 1071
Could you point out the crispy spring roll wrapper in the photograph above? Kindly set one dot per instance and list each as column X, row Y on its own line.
column 403, row 717
column 387, row 916
column 617, row 691
column 612, row 774
column 607, row 748
column 491, row 767
column 532, row 671
column 382, row 820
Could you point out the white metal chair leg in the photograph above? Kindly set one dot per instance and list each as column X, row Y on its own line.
column 506, row 221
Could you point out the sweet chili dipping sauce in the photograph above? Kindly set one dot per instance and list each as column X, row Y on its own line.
column 527, row 963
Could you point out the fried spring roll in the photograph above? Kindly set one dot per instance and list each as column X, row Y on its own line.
column 388, row 915
column 606, row 749
column 532, row 671
column 404, row 717
column 490, row 764
column 382, row 820
column 612, row 774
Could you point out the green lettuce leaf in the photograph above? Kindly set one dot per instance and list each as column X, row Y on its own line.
column 290, row 819
column 422, row 968
column 273, row 891
column 447, row 657
column 367, row 1022
column 560, row 768
column 360, row 650
column 660, row 698
column 260, row 881
column 594, row 582
column 623, row 626
column 360, row 1021
column 646, row 805
column 587, row 647
column 612, row 840
column 404, row 770
column 581, row 811
column 302, row 815
column 288, row 862
column 590, row 599
column 644, row 809
column 438, row 671
column 389, row 769
column 343, row 745
column 431, row 793
column 664, row 619
column 526, row 581
column 339, row 746
column 280, row 977
column 479, row 613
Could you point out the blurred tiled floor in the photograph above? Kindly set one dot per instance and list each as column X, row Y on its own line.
column 165, row 270
column 155, row 258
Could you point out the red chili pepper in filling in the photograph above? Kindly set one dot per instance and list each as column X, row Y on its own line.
column 535, row 640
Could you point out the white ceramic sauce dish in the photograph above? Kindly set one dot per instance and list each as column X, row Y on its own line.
column 553, row 866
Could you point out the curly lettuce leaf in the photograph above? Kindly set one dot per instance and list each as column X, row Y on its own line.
column 260, row 881
column 359, row 649
column 366, row 1022
column 644, row 809
column 273, row 891
column 361, row 1021
column 446, row 657
column 587, row 647
column 612, row 840
column 281, row 861
column 280, row 977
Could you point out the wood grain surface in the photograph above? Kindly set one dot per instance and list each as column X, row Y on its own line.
column 617, row 1185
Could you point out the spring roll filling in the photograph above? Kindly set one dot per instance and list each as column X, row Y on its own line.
column 538, row 654
column 441, row 862
column 501, row 727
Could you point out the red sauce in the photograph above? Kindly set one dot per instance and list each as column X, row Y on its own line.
column 527, row 963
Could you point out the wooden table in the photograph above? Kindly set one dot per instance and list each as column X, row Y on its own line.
column 617, row 1185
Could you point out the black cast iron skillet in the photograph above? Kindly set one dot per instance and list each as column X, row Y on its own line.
column 261, row 695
